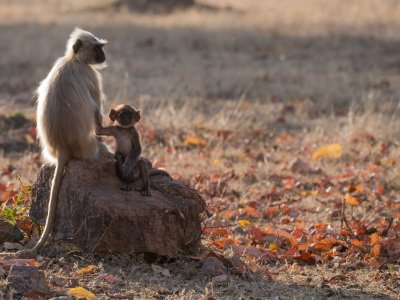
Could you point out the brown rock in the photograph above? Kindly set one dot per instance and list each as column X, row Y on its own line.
column 212, row 267
column 27, row 281
column 96, row 215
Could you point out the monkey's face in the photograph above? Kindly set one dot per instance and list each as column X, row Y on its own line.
column 124, row 116
column 98, row 53
column 89, row 52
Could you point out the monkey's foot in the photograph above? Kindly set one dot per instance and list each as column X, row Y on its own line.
column 26, row 253
column 125, row 186
column 144, row 192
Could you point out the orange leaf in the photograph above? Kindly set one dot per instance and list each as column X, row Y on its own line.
column 251, row 212
column 374, row 238
column 330, row 150
column 215, row 231
column 376, row 250
column 356, row 242
column 271, row 212
column 325, row 244
column 302, row 247
column 81, row 293
column 306, row 257
column 281, row 233
column 86, row 270
column 192, row 139
column 380, row 189
column 351, row 200
column 224, row 243
column 273, row 247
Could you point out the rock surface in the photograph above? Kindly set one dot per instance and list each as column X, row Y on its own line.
column 96, row 215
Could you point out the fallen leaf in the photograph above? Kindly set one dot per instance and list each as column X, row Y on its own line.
column 376, row 250
column 328, row 151
column 192, row 139
column 356, row 243
column 374, row 238
column 380, row 189
column 306, row 257
column 215, row 231
column 325, row 244
column 80, row 292
column 251, row 212
column 224, row 243
column 281, row 233
column 350, row 200
column 85, row 270
column 273, row 247
column 244, row 223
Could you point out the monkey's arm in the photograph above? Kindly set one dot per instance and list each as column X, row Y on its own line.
column 108, row 130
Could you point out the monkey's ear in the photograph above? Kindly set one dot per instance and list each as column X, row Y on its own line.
column 78, row 44
column 113, row 115
column 137, row 115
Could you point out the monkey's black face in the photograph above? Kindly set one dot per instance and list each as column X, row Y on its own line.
column 99, row 55
column 125, row 118
column 124, row 115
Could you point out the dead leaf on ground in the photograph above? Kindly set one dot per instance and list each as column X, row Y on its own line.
column 328, row 151
column 81, row 293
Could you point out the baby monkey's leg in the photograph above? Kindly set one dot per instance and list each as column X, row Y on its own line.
column 144, row 175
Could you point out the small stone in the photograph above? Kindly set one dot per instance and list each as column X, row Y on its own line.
column 12, row 246
column 27, row 281
column 213, row 267
column 9, row 233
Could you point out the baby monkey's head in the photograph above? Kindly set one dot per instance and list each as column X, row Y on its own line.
column 124, row 115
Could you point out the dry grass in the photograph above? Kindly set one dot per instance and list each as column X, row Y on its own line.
column 285, row 76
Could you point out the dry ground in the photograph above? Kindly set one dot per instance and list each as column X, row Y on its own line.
column 261, row 83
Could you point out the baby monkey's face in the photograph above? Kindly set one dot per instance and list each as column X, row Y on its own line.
column 125, row 116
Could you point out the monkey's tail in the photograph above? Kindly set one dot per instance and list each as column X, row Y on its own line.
column 62, row 161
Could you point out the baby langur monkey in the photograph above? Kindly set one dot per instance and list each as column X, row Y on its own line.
column 130, row 166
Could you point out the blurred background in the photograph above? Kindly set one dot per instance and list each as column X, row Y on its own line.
column 328, row 54
column 315, row 69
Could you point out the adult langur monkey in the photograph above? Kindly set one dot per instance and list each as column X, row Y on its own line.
column 68, row 109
